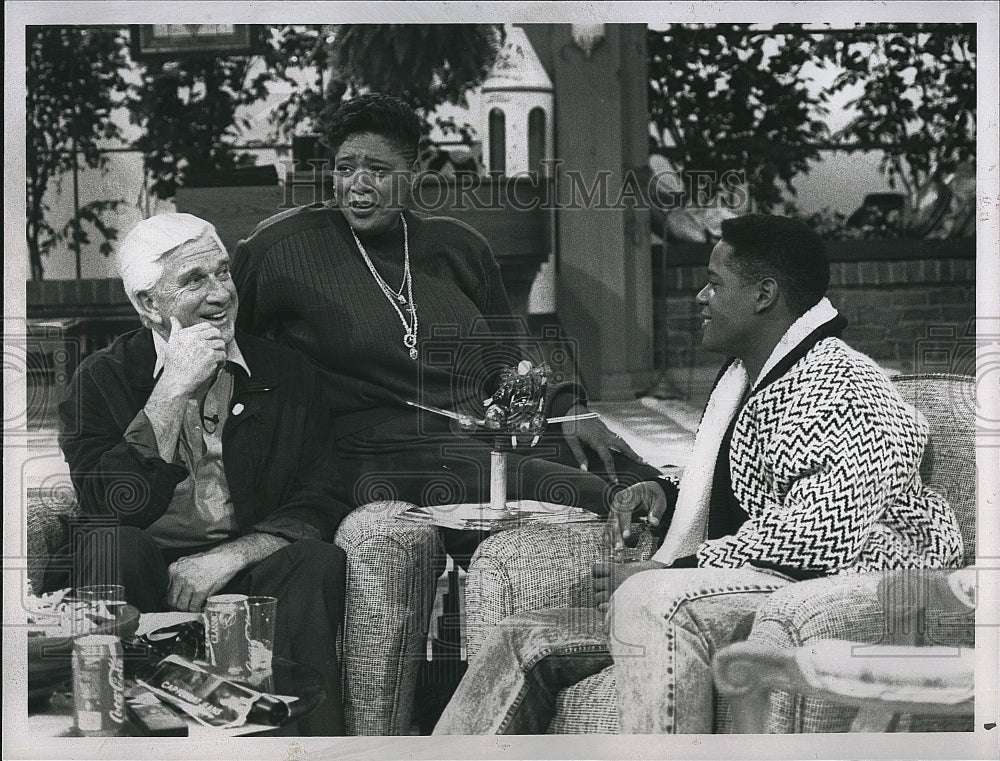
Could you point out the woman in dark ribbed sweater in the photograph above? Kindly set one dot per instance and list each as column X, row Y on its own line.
column 396, row 307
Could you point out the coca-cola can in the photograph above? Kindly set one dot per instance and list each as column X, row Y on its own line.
column 226, row 641
column 98, row 685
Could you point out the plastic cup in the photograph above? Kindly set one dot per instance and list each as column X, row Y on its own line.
column 112, row 594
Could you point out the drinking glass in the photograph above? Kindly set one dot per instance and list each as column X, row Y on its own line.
column 261, row 617
column 96, row 605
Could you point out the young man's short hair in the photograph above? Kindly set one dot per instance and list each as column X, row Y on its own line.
column 785, row 249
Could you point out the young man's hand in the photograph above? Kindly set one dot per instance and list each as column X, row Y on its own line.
column 644, row 498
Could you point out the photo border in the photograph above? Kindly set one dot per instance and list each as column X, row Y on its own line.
column 979, row 744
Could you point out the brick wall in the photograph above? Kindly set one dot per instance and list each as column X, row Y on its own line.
column 895, row 311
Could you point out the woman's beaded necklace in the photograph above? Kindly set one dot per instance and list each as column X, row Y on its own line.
column 396, row 298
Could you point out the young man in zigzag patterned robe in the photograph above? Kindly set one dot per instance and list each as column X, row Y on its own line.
column 806, row 463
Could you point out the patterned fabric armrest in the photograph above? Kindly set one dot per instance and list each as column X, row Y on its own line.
column 892, row 608
column 882, row 680
column 46, row 507
column 391, row 570
column 531, row 568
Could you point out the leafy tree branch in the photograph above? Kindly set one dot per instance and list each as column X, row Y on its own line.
column 74, row 80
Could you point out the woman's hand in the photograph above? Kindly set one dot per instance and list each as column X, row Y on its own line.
column 593, row 434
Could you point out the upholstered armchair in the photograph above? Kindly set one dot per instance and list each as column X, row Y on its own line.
column 545, row 567
column 911, row 666
column 863, row 608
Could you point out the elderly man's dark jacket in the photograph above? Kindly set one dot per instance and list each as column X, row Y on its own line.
column 282, row 478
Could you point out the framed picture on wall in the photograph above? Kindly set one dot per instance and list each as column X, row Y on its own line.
column 152, row 40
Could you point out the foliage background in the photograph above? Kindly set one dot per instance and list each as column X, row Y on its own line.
column 721, row 97
column 73, row 82
column 731, row 96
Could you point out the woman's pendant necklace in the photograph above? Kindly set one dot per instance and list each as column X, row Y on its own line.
column 396, row 298
column 406, row 267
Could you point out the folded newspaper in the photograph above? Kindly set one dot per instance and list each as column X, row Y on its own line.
column 212, row 700
column 478, row 516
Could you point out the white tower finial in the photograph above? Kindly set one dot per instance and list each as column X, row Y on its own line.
column 518, row 107
column 519, row 114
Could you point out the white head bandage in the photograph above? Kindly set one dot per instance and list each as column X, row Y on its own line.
column 140, row 256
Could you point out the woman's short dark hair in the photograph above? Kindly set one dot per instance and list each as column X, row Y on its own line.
column 785, row 249
column 380, row 114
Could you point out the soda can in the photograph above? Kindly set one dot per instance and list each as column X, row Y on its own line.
column 98, row 685
column 226, row 641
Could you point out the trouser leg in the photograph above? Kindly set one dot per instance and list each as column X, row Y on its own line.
column 512, row 685
column 308, row 577
column 125, row 555
column 451, row 470
column 664, row 627
column 121, row 555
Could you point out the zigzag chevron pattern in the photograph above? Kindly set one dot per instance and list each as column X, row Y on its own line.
column 826, row 462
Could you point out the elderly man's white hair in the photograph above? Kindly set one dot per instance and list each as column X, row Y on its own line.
column 141, row 254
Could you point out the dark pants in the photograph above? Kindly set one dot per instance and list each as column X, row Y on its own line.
column 308, row 577
column 439, row 470
column 400, row 460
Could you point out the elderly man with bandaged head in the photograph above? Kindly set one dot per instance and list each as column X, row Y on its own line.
column 203, row 455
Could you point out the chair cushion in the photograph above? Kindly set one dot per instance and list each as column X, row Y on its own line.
column 588, row 707
column 47, row 508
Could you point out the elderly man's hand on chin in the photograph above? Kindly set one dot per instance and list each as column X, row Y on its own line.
column 193, row 356
column 191, row 361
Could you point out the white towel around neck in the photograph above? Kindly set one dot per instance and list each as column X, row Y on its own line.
column 690, row 522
